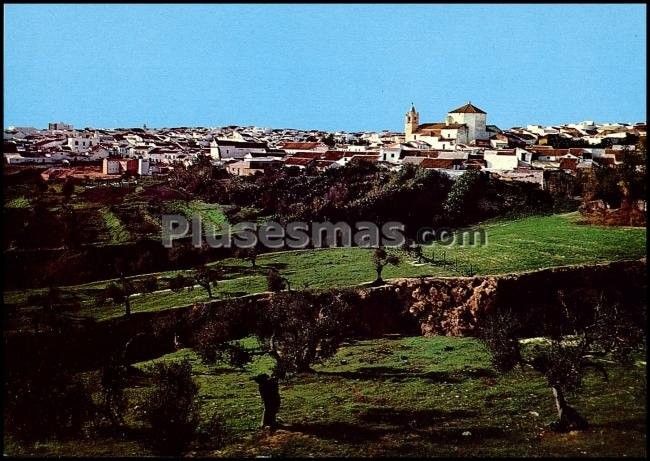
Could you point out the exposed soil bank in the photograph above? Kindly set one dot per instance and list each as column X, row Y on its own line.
column 428, row 306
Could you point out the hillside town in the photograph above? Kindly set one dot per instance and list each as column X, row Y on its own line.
column 462, row 141
column 341, row 231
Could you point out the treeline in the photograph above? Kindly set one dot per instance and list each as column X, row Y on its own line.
column 357, row 192
column 362, row 191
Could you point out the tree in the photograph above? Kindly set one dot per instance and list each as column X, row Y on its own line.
column 170, row 407
column 296, row 329
column 249, row 254
column 206, row 277
column 113, row 383
column 68, row 188
column 329, row 140
column 42, row 399
column 276, row 282
column 380, row 259
column 120, row 293
column 269, row 390
column 567, row 353
column 150, row 284
column 71, row 226
column 178, row 282
column 460, row 204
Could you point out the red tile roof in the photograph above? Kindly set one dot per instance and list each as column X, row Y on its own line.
column 300, row 145
column 468, row 108
column 365, row 158
column 440, row 126
column 568, row 163
column 334, row 155
column 446, row 163
column 309, row 154
column 298, row 161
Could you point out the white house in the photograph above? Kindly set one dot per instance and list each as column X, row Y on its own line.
column 505, row 159
column 222, row 149
column 82, row 143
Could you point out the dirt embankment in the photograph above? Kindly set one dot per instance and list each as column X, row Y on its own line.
column 428, row 306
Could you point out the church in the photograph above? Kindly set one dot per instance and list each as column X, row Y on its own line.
column 462, row 126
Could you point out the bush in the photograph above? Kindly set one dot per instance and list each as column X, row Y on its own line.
column 170, row 407
column 178, row 282
column 113, row 383
column 46, row 402
column 274, row 281
column 211, row 434
column 150, row 284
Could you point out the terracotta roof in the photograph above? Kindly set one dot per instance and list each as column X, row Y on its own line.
column 298, row 161
column 446, row 163
column 365, row 158
column 334, row 155
column 568, row 163
column 413, row 160
column 440, row 126
column 300, row 145
column 310, row 154
column 468, row 108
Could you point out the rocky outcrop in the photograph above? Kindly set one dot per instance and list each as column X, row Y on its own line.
column 455, row 306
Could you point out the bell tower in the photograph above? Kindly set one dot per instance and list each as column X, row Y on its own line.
column 411, row 123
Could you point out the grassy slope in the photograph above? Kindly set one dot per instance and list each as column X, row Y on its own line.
column 211, row 214
column 118, row 233
column 512, row 246
column 410, row 396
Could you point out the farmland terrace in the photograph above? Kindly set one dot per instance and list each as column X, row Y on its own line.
column 512, row 246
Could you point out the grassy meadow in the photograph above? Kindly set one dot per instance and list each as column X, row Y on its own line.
column 434, row 396
column 510, row 246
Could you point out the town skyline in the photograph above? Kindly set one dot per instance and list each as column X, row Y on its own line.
column 246, row 68
column 312, row 128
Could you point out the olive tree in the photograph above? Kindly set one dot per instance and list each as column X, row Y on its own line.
column 566, row 353
column 296, row 329
column 380, row 259
column 207, row 278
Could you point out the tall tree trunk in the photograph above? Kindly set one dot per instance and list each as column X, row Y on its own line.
column 568, row 417
column 127, row 302
column 378, row 280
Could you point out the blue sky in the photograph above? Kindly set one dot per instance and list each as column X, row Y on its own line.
column 350, row 67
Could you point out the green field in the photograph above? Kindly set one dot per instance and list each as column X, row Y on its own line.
column 402, row 397
column 118, row 233
column 511, row 246
column 211, row 214
column 18, row 202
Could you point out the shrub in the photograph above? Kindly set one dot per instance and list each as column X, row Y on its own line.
column 178, row 282
column 170, row 407
column 212, row 433
column 45, row 402
column 274, row 281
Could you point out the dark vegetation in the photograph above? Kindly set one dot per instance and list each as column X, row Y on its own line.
column 297, row 331
column 574, row 344
column 89, row 227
